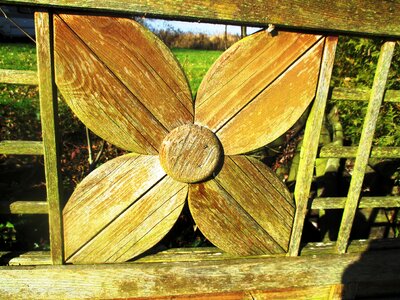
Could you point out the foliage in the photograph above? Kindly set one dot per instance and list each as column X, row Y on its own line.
column 355, row 65
column 7, row 235
column 175, row 38
column 199, row 41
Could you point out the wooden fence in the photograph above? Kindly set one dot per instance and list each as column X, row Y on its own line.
column 337, row 269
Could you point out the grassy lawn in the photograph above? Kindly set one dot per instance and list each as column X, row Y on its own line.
column 195, row 63
column 19, row 105
column 18, row 56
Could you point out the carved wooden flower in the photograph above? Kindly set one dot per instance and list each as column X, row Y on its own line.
column 127, row 87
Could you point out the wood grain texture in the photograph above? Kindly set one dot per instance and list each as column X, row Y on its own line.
column 50, row 133
column 243, row 71
column 106, row 193
column 241, row 211
column 347, row 16
column 191, row 153
column 99, row 98
column 139, row 228
column 259, row 88
column 364, row 147
column 365, row 202
column 187, row 278
column 24, row 207
column 351, row 152
column 141, row 61
column 21, row 147
column 120, row 210
column 207, row 253
column 309, row 146
column 362, row 94
column 19, row 77
column 33, row 258
column 299, row 293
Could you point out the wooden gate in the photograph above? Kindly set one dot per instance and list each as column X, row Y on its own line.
column 127, row 87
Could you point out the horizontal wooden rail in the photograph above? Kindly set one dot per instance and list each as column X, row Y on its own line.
column 202, row 254
column 361, row 94
column 31, row 258
column 21, row 147
column 332, row 151
column 341, row 15
column 18, row 77
column 24, row 207
column 192, row 277
column 365, row 202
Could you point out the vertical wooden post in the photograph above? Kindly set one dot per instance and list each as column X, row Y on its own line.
column 243, row 31
column 226, row 37
column 364, row 147
column 309, row 147
column 49, row 120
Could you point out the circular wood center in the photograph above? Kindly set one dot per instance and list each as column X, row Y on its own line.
column 190, row 153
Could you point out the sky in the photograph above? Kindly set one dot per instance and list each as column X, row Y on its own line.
column 197, row 27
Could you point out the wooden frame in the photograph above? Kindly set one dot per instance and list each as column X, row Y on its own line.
column 322, row 277
column 350, row 17
column 198, row 272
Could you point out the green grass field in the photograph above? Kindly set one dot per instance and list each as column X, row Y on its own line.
column 18, row 56
column 195, row 63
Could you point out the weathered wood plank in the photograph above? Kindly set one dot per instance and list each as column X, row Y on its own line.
column 251, row 81
column 139, row 228
column 244, row 70
column 141, row 61
column 105, row 194
column 306, row 293
column 185, row 278
column 209, row 253
column 24, row 207
column 191, row 153
column 355, row 246
column 21, row 147
column 241, row 211
column 31, row 260
column 364, row 147
column 49, row 121
column 317, row 248
column 127, row 205
column 365, row 202
column 309, row 147
column 99, row 99
column 351, row 152
column 341, row 15
column 18, row 77
column 362, row 94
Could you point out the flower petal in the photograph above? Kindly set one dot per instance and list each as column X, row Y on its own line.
column 245, row 210
column 120, row 80
column 259, row 88
column 121, row 210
